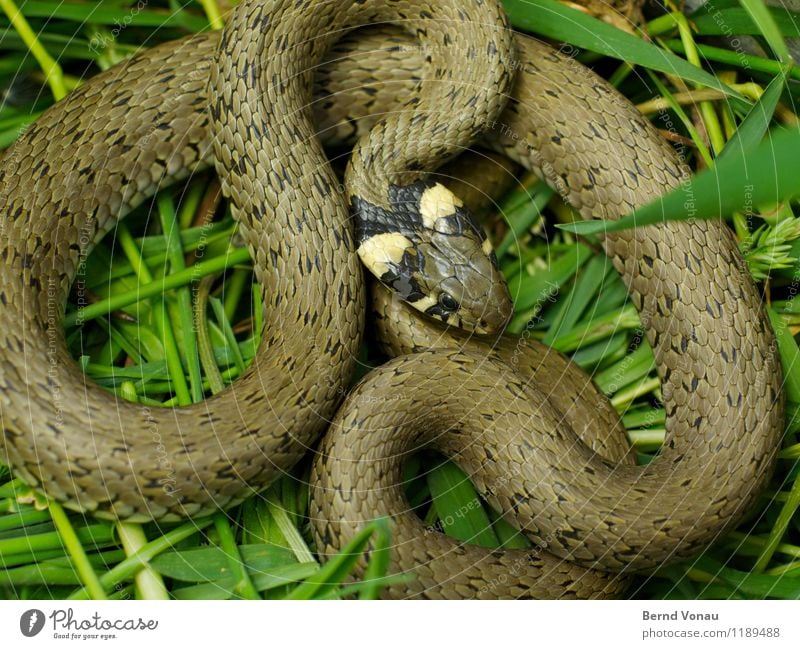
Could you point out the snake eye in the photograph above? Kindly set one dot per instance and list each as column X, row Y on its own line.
column 448, row 302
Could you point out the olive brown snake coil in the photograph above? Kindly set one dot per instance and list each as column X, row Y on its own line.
column 95, row 156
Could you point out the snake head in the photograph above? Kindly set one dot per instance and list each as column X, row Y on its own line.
column 428, row 250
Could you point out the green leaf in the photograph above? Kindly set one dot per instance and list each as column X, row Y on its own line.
column 210, row 564
column 272, row 578
column 122, row 15
column 749, row 584
column 532, row 293
column 337, row 569
column 379, row 559
column 767, row 175
column 789, row 354
column 632, row 368
column 553, row 19
column 752, row 129
column 460, row 510
column 766, row 24
column 737, row 20
column 587, row 285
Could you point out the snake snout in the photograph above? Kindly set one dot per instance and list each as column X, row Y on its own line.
column 496, row 309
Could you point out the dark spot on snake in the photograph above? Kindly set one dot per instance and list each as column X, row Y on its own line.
column 417, row 120
column 684, row 344
column 122, row 101
column 85, row 171
column 239, row 166
column 260, row 21
column 216, row 109
column 647, row 259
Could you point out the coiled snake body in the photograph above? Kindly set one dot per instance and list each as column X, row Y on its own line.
column 110, row 144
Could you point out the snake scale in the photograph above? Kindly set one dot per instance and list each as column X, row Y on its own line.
column 536, row 437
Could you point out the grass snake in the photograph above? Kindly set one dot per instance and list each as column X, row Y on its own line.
column 536, row 437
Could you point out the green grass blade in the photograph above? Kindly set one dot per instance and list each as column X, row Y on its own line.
column 589, row 280
column 211, row 563
column 748, row 584
column 780, row 527
column 553, row 19
column 270, row 579
column 532, row 293
column 113, row 16
column 738, row 20
column 459, row 509
column 77, row 551
column 244, row 587
column 149, row 584
column 767, row 176
column 134, row 563
column 182, row 321
column 789, row 355
column 379, row 558
column 158, row 286
column 762, row 18
column 52, row 70
column 748, row 62
column 337, row 569
column 755, row 125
